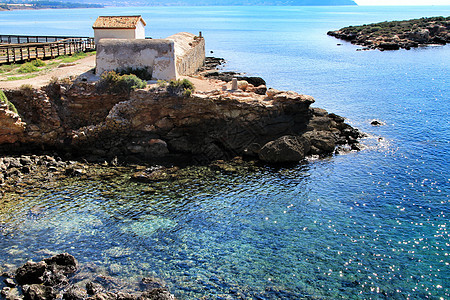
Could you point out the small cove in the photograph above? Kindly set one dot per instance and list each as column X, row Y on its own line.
column 372, row 224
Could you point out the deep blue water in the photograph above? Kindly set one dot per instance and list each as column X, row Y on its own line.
column 368, row 225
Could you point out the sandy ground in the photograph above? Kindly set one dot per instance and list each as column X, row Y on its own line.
column 80, row 68
column 83, row 69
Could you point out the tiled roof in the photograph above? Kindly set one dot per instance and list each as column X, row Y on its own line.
column 117, row 22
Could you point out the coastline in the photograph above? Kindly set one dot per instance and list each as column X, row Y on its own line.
column 357, row 185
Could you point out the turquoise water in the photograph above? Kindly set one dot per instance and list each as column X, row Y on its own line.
column 368, row 225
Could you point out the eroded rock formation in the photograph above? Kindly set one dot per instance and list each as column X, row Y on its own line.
column 154, row 125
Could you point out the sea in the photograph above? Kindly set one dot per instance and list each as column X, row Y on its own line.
column 372, row 224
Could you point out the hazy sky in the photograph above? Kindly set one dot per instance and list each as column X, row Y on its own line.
column 403, row 2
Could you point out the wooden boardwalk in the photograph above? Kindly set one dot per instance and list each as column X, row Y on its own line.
column 15, row 48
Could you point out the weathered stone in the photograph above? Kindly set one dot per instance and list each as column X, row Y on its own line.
column 9, row 282
column 377, row 123
column 322, row 142
column 31, row 272
column 75, row 293
column 38, row 292
column 157, row 294
column 284, row 149
column 93, row 288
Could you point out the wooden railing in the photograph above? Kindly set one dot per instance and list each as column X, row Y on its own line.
column 27, row 48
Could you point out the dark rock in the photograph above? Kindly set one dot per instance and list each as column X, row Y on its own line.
column 252, row 149
column 125, row 296
column 285, row 149
column 75, row 293
column 156, row 294
column 64, row 263
column 377, row 123
column 26, row 160
column 38, row 292
column 104, row 296
column 75, row 172
column 31, row 272
column 322, row 142
column 93, row 288
column 149, row 283
column 260, row 90
column 5, row 291
column 388, row 46
column 54, row 278
column 9, row 282
column 255, row 81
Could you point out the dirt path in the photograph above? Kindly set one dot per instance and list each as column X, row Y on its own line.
column 79, row 68
column 83, row 68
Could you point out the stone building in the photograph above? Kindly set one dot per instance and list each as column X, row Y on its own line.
column 119, row 27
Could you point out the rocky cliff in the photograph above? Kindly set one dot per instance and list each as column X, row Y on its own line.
column 153, row 125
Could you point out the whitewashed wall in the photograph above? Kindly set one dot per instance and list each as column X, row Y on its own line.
column 156, row 56
column 113, row 34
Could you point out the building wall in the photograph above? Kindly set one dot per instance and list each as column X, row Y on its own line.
column 114, row 34
column 156, row 56
column 189, row 52
column 140, row 31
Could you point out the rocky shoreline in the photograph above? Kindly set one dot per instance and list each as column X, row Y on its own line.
column 77, row 120
column 397, row 35
column 60, row 277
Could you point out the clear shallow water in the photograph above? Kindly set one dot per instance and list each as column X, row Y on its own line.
column 372, row 224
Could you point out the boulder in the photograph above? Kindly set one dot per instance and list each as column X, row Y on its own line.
column 285, row 149
column 31, row 273
column 62, row 263
column 157, row 294
column 75, row 293
column 322, row 142
column 38, row 292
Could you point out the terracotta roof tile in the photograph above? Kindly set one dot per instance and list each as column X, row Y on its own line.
column 117, row 22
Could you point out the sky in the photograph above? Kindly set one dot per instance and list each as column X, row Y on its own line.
column 403, row 2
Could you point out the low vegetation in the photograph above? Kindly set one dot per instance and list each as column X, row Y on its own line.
column 10, row 72
column 142, row 73
column 116, row 83
column 4, row 100
column 395, row 27
column 180, row 87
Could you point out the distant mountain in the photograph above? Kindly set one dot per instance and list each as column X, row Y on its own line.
column 216, row 2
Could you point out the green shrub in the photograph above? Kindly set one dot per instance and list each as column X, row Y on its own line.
column 180, row 88
column 27, row 68
column 116, row 83
column 38, row 63
column 142, row 73
column 162, row 83
column 3, row 99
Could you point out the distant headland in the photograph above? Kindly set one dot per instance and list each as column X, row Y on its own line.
column 397, row 34
column 16, row 5
column 22, row 5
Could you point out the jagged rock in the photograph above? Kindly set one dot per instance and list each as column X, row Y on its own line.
column 38, row 292
column 63, row 262
column 377, row 123
column 322, row 142
column 285, row 149
column 156, row 294
column 148, row 283
column 9, row 282
column 93, row 288
column 75, row 293
column 31, row 273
